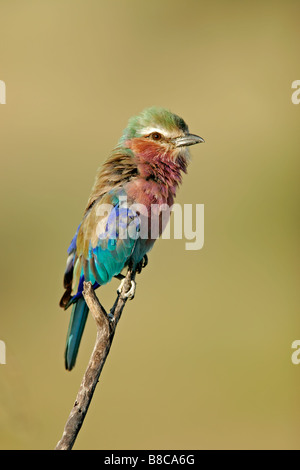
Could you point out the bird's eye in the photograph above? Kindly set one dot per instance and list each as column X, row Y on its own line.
column 155, row 136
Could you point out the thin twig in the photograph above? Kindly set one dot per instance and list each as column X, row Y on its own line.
column 106, row 325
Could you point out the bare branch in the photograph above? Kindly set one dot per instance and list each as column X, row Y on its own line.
column 106, row 325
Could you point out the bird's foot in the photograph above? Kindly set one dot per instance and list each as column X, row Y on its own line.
column 130, row 293
column 142, row 264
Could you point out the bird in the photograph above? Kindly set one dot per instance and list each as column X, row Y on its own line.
column 143, row 171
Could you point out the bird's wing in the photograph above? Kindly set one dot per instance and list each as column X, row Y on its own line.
column 102, row 244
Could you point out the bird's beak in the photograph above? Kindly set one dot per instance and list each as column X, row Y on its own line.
column 187, row 139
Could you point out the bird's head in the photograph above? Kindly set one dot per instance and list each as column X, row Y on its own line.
column 157, row 132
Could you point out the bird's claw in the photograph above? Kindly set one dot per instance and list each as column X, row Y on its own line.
column 130, row 293
column 145, row 261
column 142, row 264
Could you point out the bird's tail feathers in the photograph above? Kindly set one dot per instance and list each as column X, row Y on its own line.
column 76, row 327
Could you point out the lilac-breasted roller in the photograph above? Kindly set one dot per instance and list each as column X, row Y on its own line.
column 144, row 170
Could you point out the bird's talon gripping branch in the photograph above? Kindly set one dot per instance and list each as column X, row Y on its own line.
column 130, row 293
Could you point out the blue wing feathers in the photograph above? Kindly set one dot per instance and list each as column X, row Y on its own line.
column 113, row 249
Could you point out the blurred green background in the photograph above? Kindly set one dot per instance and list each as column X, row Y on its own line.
column 202, row 356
